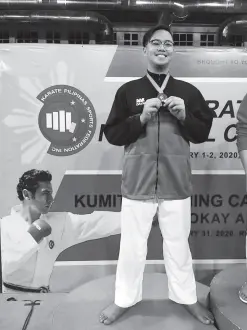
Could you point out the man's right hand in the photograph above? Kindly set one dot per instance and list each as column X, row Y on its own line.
column 39, row 229
column 150, row 108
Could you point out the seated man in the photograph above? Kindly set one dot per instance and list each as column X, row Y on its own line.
column 32, row 238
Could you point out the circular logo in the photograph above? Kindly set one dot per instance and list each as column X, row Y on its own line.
column 67, row 119
column 51, row 244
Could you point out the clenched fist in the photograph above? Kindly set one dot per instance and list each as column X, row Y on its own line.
column 150, row 108
column 39, row 229
column 176, row 107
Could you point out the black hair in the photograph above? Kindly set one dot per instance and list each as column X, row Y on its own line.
column 148, row 35
column 30, row 181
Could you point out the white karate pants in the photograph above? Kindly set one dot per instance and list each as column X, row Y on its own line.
column 136, row 223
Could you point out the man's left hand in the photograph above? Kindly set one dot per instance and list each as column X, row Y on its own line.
column 176, row 107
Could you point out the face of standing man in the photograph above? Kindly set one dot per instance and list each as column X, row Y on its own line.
column 159, row 50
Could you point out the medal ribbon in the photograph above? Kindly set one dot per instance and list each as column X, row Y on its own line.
column 156, row 86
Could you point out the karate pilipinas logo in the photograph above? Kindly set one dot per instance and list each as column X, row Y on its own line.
column 67, row 119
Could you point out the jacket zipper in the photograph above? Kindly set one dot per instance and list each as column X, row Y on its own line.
column 158, row 150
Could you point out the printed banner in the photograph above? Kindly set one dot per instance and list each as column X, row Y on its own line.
column 218, row 217
column 53, row 109
column 191, row 62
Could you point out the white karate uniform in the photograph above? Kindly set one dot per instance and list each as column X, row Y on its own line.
column 136, row 221
column 27, row 263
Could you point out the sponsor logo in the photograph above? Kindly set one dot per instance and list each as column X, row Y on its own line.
column 140, row 101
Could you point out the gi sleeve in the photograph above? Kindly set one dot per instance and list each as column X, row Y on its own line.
column 242, row 125
column 199, row 118
column 81, row 228
column 121, row 127
column 17, row 247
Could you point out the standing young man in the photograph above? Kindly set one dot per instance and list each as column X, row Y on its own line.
column 32, row 237
column 156, row 174
column 242, row 149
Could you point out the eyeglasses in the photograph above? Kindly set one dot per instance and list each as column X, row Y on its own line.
column 157, row 43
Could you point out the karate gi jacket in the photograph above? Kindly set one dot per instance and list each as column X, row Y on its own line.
column 28, row 263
